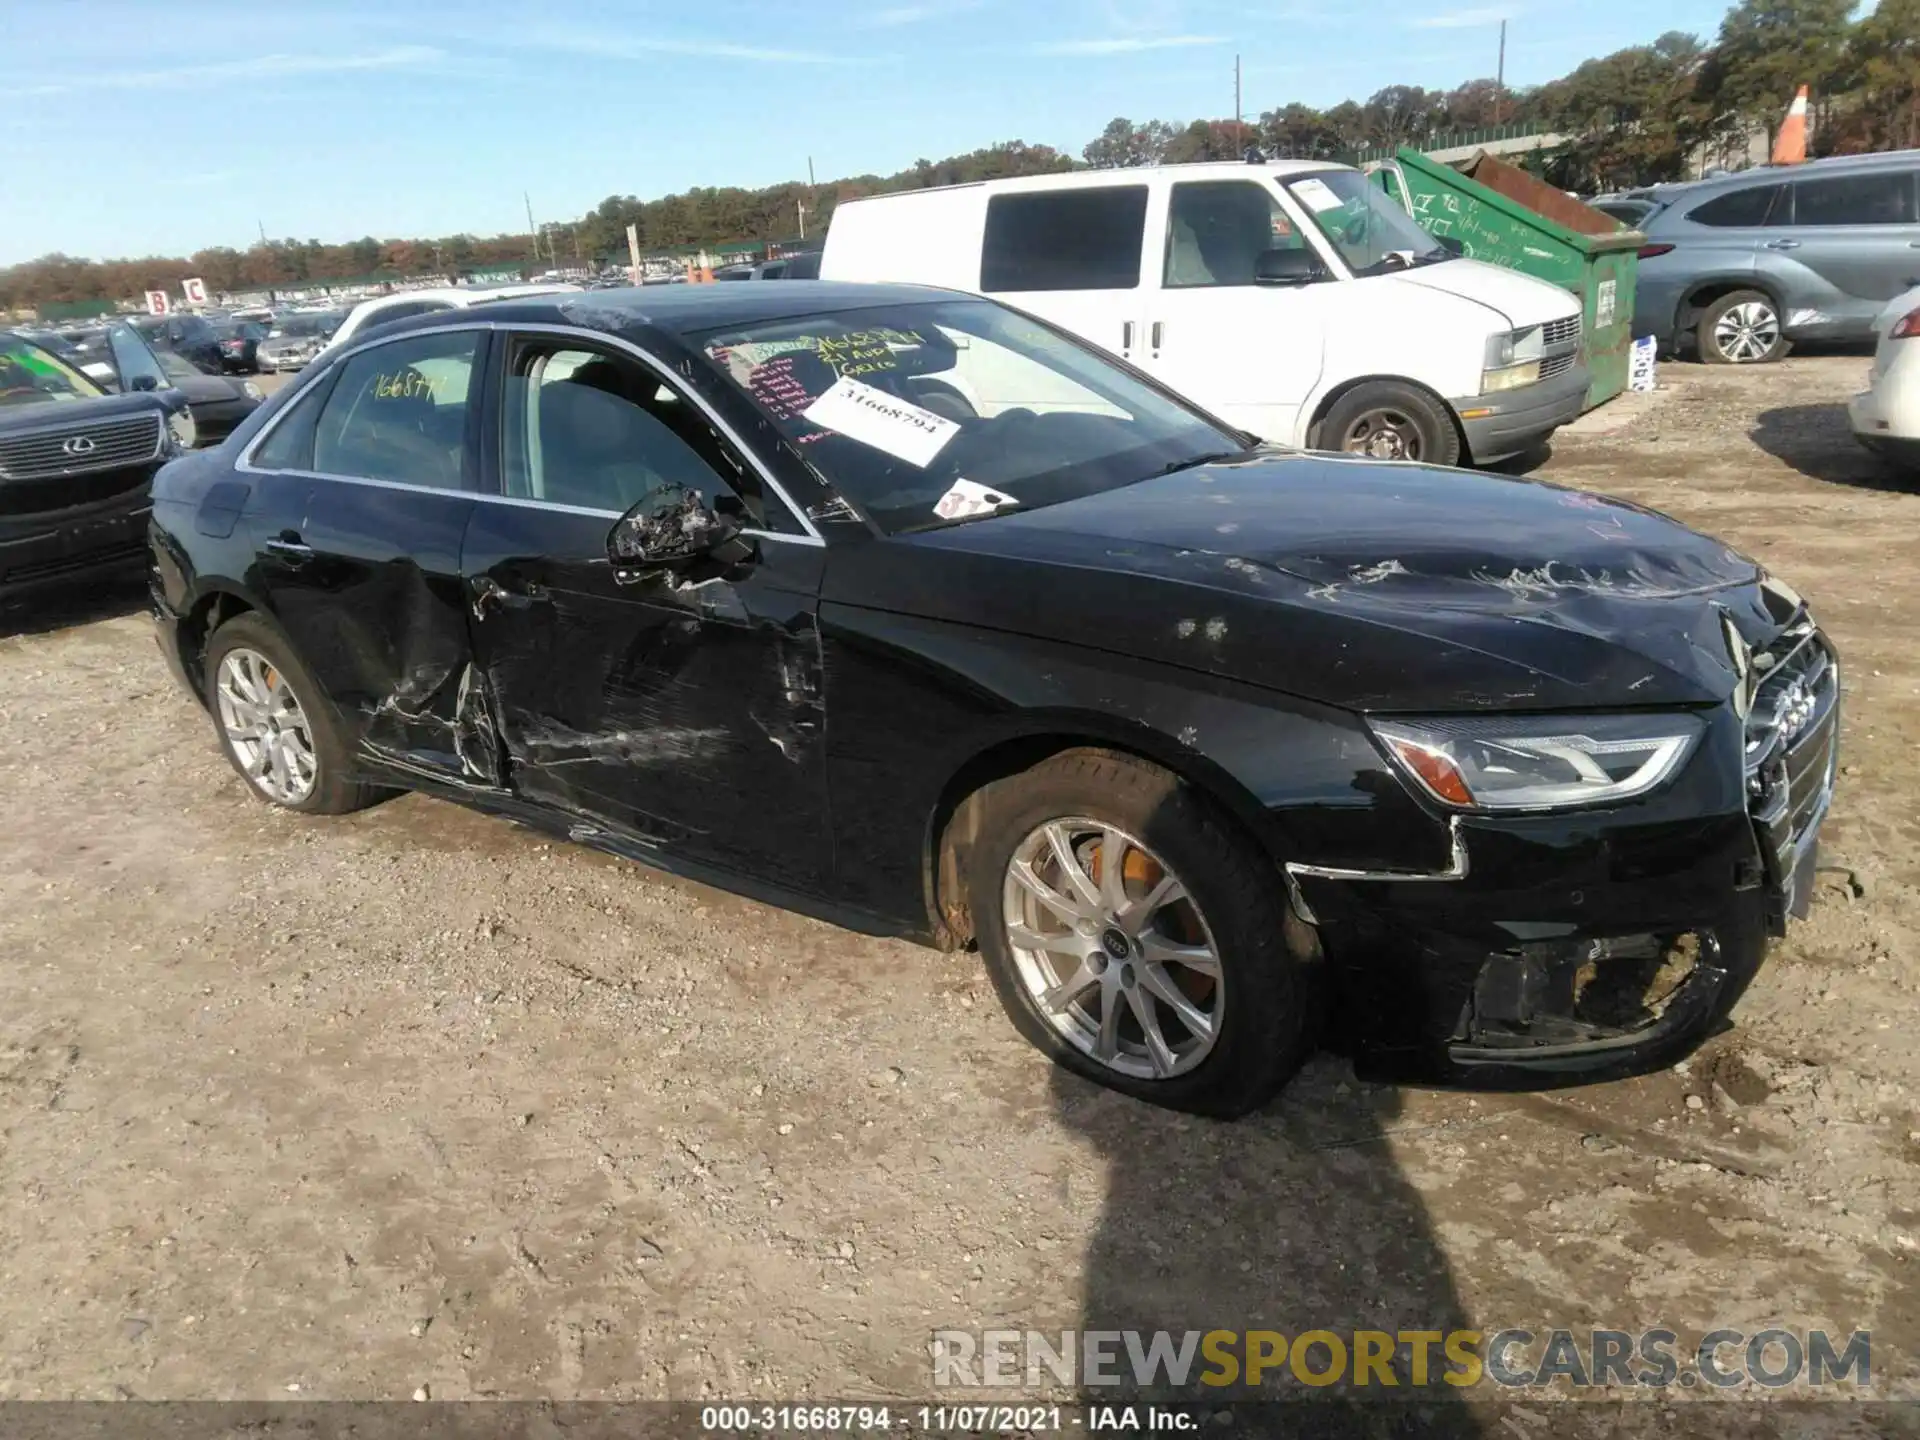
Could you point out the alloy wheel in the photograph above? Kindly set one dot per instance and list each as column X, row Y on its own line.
column 265, row 726
column 1112, row 950
column 1747, row 332
column 1384, row 435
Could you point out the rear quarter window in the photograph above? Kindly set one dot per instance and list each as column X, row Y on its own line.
column 1882, row 197
column 1080, row 239
column 1754, row 205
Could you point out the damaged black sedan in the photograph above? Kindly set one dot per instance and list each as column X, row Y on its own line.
column 904, row 608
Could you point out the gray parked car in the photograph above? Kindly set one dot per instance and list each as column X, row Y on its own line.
column 1740, row 265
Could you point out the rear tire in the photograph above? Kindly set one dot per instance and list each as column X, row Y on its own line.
column 275, row 724
column 1196, row 929
column 1741, row 328
column 1390, row 421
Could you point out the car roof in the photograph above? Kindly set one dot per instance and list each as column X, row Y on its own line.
column 1776, row 174
column 689, row 309
column 1135, row 174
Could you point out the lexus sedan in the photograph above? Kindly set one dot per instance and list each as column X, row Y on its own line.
column 901, row 607
column 76, row 460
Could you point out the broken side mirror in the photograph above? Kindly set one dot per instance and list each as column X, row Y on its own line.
column 1452, row 244
column 675, row 531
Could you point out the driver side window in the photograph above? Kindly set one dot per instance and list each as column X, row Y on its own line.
column 1217, row 231
column 599, row 431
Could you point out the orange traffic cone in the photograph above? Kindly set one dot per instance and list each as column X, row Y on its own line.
column 1790, row 146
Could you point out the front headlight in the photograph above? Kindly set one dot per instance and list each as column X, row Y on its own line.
column 1539, row 762
column 252, row 391
column 180, row 425
column 1512, row 359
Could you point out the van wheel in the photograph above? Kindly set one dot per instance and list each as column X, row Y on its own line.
column 1136, row 939
column 1387, row 421
column 1742, row 328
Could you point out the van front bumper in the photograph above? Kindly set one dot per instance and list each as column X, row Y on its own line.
column 1512, row 422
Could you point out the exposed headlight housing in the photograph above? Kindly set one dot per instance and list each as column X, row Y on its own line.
column 1539, row 762
column 1513, row 359
column 252, row 391
column 181, row 427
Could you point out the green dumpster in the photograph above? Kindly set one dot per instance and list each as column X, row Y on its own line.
column 1504, row 216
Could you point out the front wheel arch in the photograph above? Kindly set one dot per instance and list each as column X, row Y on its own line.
column 1345, row 388
column 951, row 825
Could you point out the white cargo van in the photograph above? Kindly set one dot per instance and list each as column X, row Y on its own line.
column 1291, row 298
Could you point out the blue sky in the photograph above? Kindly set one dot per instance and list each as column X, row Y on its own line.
column 141, row 128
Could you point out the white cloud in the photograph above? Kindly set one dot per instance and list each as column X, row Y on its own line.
column 1127, row 44
column 1467, row 19
column 634, row 47
column 914, row 14
column 258, row 67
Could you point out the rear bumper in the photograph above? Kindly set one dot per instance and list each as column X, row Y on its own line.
column 1512, row 422
column 51, row 548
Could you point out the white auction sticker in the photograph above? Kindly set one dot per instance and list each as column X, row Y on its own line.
column 875, row 418
column 966, row 499
column 1317, row 194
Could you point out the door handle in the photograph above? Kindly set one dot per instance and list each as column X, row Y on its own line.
column 1126, row 334
column 1153, row 335
column 1783, row 244
column 287, row 546
column 488, row 591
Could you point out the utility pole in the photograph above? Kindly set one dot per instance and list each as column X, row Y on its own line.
column 1500, row 77
column 263, row 230
column 1239, row 130
column 532, row 230
column 801, row 206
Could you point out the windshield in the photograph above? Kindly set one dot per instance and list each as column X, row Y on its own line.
column 926, row 415
column 320, row 323
column 30, row 373
column 1369, row 229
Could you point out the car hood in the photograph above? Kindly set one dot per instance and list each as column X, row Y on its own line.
column 53, row 414
column 1522, row 299
column 1366, row 585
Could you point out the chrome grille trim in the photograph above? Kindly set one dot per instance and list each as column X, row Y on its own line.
column 121, row 441
column 1792, row 757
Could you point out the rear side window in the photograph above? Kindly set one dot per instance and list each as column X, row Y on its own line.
column 1065, row 240
column 289, row 446
column 1881, row 198
column 399, row 412
column 1756, row 205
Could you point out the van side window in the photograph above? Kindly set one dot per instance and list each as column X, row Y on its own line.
column 1079, row 239
column 1881, row 198
column 1217, row 230
column 1740, row 208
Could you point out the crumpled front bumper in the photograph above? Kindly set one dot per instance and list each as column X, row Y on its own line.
column 1563, row 953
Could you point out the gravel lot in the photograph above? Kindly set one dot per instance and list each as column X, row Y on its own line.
column 418, row 1098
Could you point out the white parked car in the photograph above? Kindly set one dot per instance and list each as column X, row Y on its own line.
column 383, row 309
column 1291, row 298
column 1886, row 415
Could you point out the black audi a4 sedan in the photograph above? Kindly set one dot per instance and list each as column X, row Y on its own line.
column 899, row 606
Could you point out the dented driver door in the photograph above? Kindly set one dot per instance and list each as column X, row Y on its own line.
column 672, row 714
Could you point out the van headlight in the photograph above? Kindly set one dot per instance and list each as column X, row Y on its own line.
column 1539, row 762
column 181, row 427
column 1513, row 359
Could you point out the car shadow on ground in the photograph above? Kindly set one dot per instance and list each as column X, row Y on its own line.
column 81, row 603
column 1295, row 1219
column 1818, row 441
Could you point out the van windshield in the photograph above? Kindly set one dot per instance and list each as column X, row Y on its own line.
column 1369, row 229
column 935, row 414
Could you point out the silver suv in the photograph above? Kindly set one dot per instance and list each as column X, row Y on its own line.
column 1740, row 265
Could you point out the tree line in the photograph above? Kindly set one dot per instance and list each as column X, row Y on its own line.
column 1637, row 116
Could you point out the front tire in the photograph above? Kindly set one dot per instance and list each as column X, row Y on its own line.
column 1741, row 328
column 275, row 724
column 1386, row 420
column 1137, row 939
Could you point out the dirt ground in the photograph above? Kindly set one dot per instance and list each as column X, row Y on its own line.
column 416, row 1098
